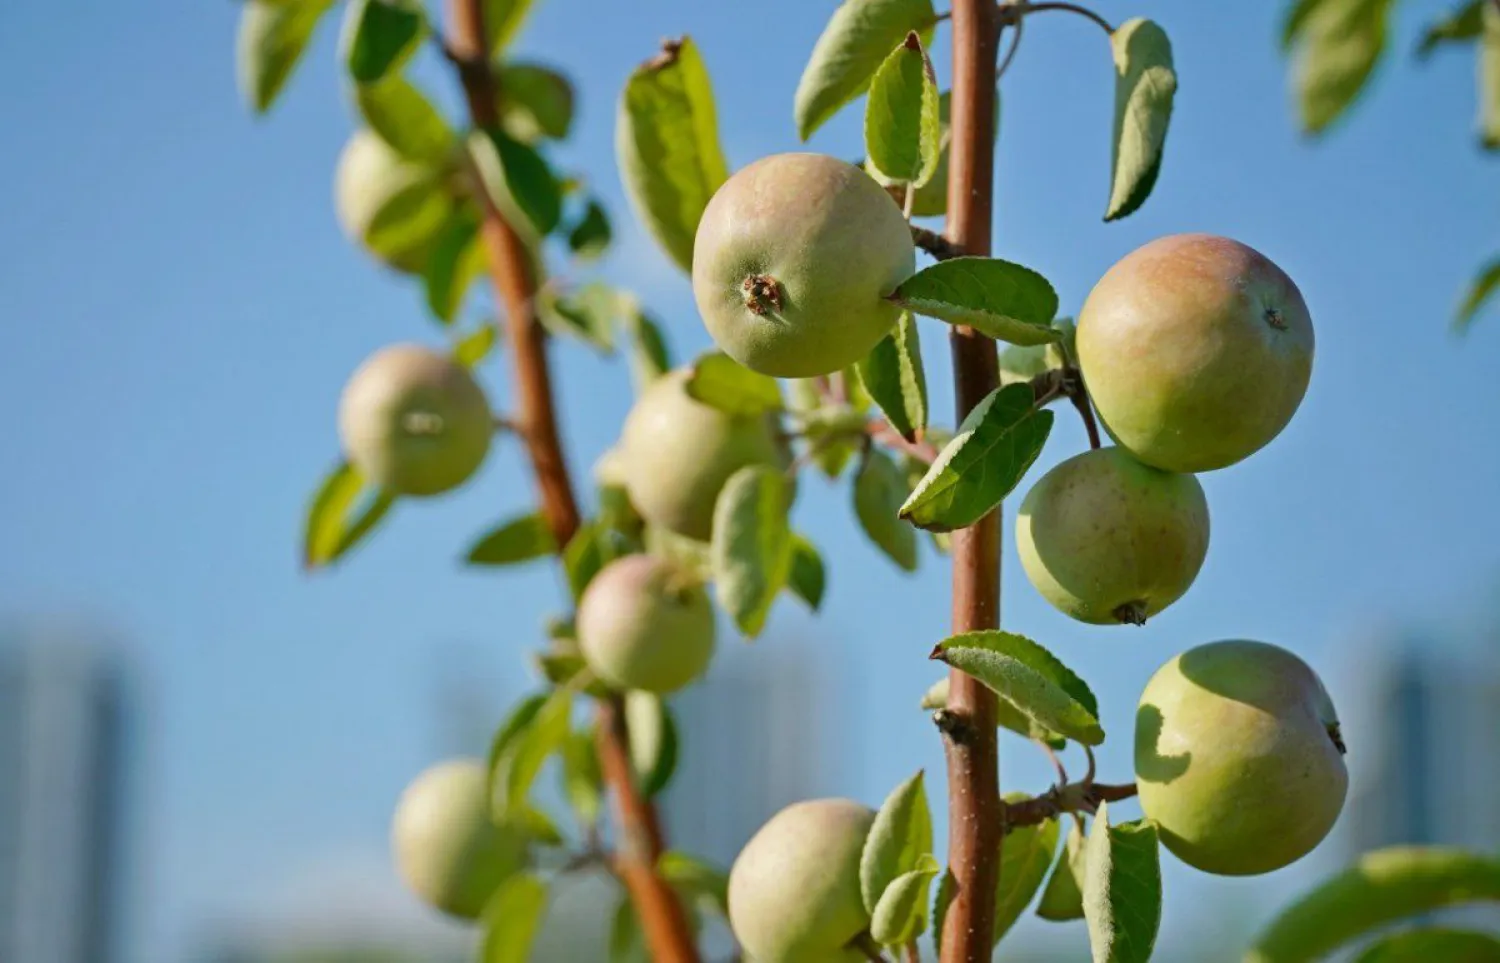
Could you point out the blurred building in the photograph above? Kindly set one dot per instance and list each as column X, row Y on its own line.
column 66, row 736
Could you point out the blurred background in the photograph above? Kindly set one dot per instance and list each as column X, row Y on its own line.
column 201, row 745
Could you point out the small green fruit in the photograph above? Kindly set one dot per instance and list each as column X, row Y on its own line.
column 1197, row 351
column 1238, row 757
column 792, row 261
column 1108, row 540
column 448, row 850
column 414, row 421
column 646, row 623
column 679, row 452
column 388, row 205
column 794, row 892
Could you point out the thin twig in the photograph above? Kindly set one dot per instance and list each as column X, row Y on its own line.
column 1080, row 399
column 1022, row 9
column 883, row 432
column 1010, row 53
column 1057, row 763
column 935, row 244
column 1076, row 797
column 913, row 954
column 867, row 945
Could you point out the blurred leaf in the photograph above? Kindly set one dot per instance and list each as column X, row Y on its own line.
column 408, row 223
column 691, row 876
column 590, row 236
column 894, row 377
column 583, row 783
column 1483, row 286
column 535, row 101
column 1382, row 886
column 998, row 299
column 721, row 382
column 515, row 540
column 649, row 357
column 667, row 146
column 900, row 836
column 653, row 740
column 272, row 36
column 592, row 547
column 512, row 918
column 1489, row 79
column 334, row 523
column 689, row 553
column 1145, row 85
column 994, row 447
column 1028, row 677
column 1337, row 43
column 626, row 943
column 502, row 18
column 1024, row 858
column 1433, row 945
column 535, row 825
column 1458, row 25
column 379, row 35
column 849, row 52
column 806, row 578
column 519, row 751
column 403, row 117
column 1122, row 889
column 941, row 900
column 530, row 182
column 456, row 261
column 900, row 915
column 1062, row 900
column 751, row 554
column 879, row 490
column 475, row 346
column 903, row 137
column 588, row 314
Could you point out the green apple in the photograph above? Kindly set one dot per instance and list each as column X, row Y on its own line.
column 646, row 623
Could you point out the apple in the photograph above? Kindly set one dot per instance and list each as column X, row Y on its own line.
column 646, row 623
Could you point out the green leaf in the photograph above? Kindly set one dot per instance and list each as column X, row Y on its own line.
column 534, row 101
column 1029, row 677
column 653, row 740
column 456, row 261
column 894, row 377
column 502, row 18
column 903, row 136
column 1381, row 887
column 588, row 314
column 523, row 745
column 589, row 237
column 1024, row 858
column 667, row 146
column 529, row 181
column 849, row 52
column 900, row 915
column 984, row 462
column 379, row 35
column 1122, row 889
column 1062, row 900
column 689, row 553
column 1488, row 80
column 583, row 784
column 806, row 578
column 649, row 357
column 269, row 44
column 723, row 383
column 702, row 883
column 999, row 299
column 1007, row 716
column 941, row 900
column 751, row 554
column 403, row 117
column 591, row 548
column 899, row 837
column 334, row 523
column 515, row 540
column 879, row 490
column 1338, row 44
column 1480, row 290
column 475, row 346
column 512, row 918
column 536, row 825
column 1145, row 84
column 1431, row 945
column 1458, row 25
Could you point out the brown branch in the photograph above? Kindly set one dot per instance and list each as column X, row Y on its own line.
column 1021, row 9
column 662, row 918
column 1078, row 797
column 935, row 244
column 974, row 810
column 913, row 955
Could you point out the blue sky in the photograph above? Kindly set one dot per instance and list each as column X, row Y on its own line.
column 178, row 312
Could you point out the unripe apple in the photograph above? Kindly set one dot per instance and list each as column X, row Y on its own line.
column 1197, row 351
column 1238, row 757
column 646, row 623
column 388, row 205
column 793, row 259
column 1108, row 540
column 414, row 421
column 794, row 892
column 448, row 850
column 678, row 453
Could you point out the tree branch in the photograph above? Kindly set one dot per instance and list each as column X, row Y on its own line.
column 1077, row 797
column 1021, row 9
column 935, row 244
column 662, row 918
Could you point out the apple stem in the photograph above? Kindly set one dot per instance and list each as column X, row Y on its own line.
column 866, row 944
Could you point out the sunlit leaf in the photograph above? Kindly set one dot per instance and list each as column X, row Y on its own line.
column 379, row 35
column 752, row 544
column 272, row 37
column 899, row 837
column 1028, row 677
column 857, row 39
column 335, row 523
column 1145, row 85
column 997, row 298
column 903, row 136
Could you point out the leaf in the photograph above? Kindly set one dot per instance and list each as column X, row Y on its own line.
column 1025, row 855
column 535, row 825
column 1062, row 900
column 653, row 740
column 515, row 540
column 667, row 146
column 806, row 578
column 1480, row 290
column 998, row 299
column 519, row 751
column 403, row 117
column 269, row 43
column 589, row 237
column 1338, row 45
column 893, row 375
column 1489, row 80
column 379, row 35
column 583, row 784
column 1145, row 84
column 879, row 490
column 849, row 52
column 1382, row 886
column 475, row 346
column 1007, row 716
column 404, row 227
column 649, row 357
column 900, row 915
column 591, row 548
column 751, row 554
column 502, row 18
column 1458, row 25
column 588, row 314
column 534, row 101
column 987, row 458
column 529, row 181
column 899, row 837
column 941, row 900
column 1029, row 678
column 455, row 262
column 903, row 136
column 1433, row 944
column 1122, row 889
column 334, row 524
column 720, row 381
column 689, row 553
column 512, row 918
column 697, row 879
